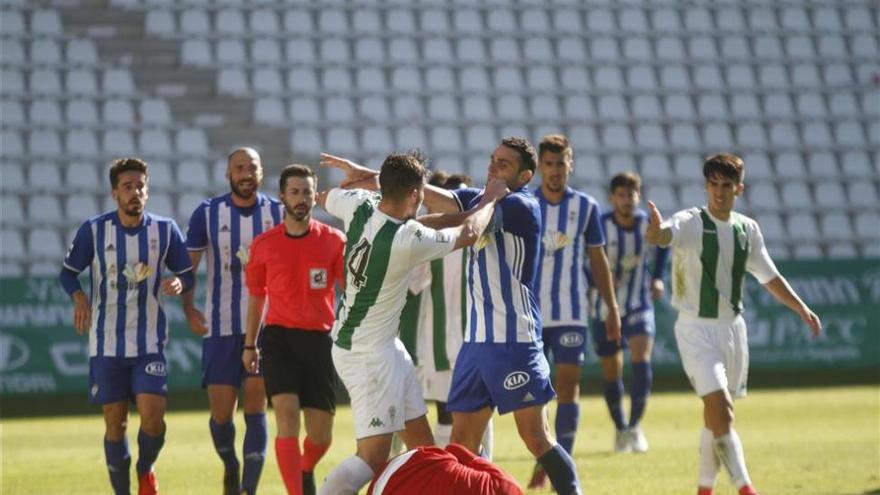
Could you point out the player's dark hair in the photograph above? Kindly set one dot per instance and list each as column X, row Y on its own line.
column 726, row 165
column 528, row 159
column 401, row 173
column 295, row 170
column 629, row 180
column 128, row 164
column 456, row 181
column 438, row 178
column 555, row 143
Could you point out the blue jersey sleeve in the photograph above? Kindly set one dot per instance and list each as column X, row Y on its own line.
column 520, row 216
column 197, row 231
column 661, row 255
column 465, row 196
column 594, row 233
column 82, row 249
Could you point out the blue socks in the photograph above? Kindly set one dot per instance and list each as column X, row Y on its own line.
column 118, row 465
column 148, row 451
column 561, row 471
column 567, row 416
column 613, row 393
column 223, row 436
column 643, row 377
column 256, row 438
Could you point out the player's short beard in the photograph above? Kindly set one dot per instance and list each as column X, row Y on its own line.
column 299, row 217
column 133, row 209
column 242, row 194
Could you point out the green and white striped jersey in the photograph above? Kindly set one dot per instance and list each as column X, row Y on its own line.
column 442, row 311
column 710, row 258
column 380, row 254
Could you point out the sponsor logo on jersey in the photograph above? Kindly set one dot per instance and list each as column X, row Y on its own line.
column 318, row 278
column 376, row 423
column 156, row 368
column 94, row 390
column 571, row 339
column 516, row 380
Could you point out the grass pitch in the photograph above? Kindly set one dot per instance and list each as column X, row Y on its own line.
column 797, row 441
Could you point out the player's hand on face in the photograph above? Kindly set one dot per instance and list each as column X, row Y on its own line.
column 495, row 189
column 82, row 315
column 172, row 286
column 250, row 358
column 353, row 171
column 658, row 289
column 197, row 321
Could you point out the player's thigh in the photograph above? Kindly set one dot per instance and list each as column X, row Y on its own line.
column 319, row 382
column 702, row 355
column 640, row 347
column 115, row 419
column 567, row 343
column 221, row 361
column 601, row 345
column 417, row 433
column 567, row 382
column 318, row 425
column 254, row 395
column 531, row 424
column 286, row 407
column 517, row 375
column 638, row 331
column 376, row 388
column 222, row 400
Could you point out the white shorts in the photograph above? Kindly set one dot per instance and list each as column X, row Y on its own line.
column 715, row 354
column 382, row 384
column 435, row 384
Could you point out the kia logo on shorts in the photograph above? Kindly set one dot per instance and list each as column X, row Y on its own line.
column 516, row 380
column 571, row 339
column 14, row 353
column 156, row 368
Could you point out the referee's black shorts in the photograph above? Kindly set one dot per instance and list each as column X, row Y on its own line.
column 295, row 361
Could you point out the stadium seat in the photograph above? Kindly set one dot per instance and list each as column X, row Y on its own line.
column 582, row 137
column 81, row 112
column 305, row 110
column 444, row 108
column 544, row 108
column 863, row 194
column 341, row 140
column 44, row 143
column 445, row 138
column 192, row 174
column 772, row 227
column 476, row 108
column 857, row 164
column 406, row 78
column 796, row 194
column 849, row 133
column 12, row 113
column 117, row 82
column 9, row 269
column 233, row 82
column 118, row 111
column 374, row 109
column 186, row 204
column 83, row 176
column 830, row 193
column 836, row 226
column 196, row 52
column 268, row 81
column 45, row 52
column 160, row 22
column 508, row 79
column 867, row 225
column 161, row 203
column 377, row 139
column 807, row 251
column 763, row 196
column 81, row 52
column 334, row 50
column 612, row 107
column 407, row 108
column 195, row 22
column 578, row 107
column 751, row 136
column 680, row 107
column 45, row 82
column 118, row 142
column 650, row 137
column 842, row 251
column 11, row 82
column 229, row 22
column 663, row 196
column 684, row 136
column 45, row 176
column 11, row 177
column 263, row 22
column 81, row 82
column 270, row 111
column 410, row 138
column 339, row 109
column 191, row 142
column 642, row 77
column 78, row 207
column 790, row 166
column 822, row 165
column 81, row 143
column 154, row 111
column 12, row 51
column 617, row 137
column 265, row 51
column 11, row 241
column 230, row 52
column 802, row 226
column 371, row 79
column 470, row 50
column 162, row 176
column 306, row 140
column 12, row 23
column 402, row 51
column 44, row 210
column 757, row 166
column 44, row 111
column 336, row 79
column 654, row 168
column 154, row 142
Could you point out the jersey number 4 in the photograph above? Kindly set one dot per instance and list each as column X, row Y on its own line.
column 357, row 262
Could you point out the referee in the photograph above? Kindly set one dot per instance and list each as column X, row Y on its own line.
column 294, row 267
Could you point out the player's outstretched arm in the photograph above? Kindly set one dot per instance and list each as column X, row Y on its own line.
column 783, row 293
column 480, row 216
column 250, row 357
column 354, row 173
column 82, row 312
column 655, row 234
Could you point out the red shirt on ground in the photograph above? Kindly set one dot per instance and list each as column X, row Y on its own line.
column 298, row 274
column 435, row 471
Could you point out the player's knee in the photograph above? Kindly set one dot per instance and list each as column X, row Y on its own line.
column 537, row 442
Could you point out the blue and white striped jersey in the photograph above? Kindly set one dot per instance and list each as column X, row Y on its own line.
column 502, row 306
column 570, row 227
column 629, row 256
column 226, row 232
column 126, row 274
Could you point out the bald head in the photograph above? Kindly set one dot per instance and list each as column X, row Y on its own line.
column 245, row 172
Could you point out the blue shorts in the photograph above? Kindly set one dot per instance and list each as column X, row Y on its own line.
column 506, row 376
column 114, row 379
column 221, row 361
column 567, row 344
column 631, row 325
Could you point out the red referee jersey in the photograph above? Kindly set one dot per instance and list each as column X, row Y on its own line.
column 298, row 274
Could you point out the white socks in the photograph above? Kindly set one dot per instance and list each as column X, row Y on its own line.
column 441, row 434
column 487, row 445
column 347, row 478
column 730, row 452
column 709, row 463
